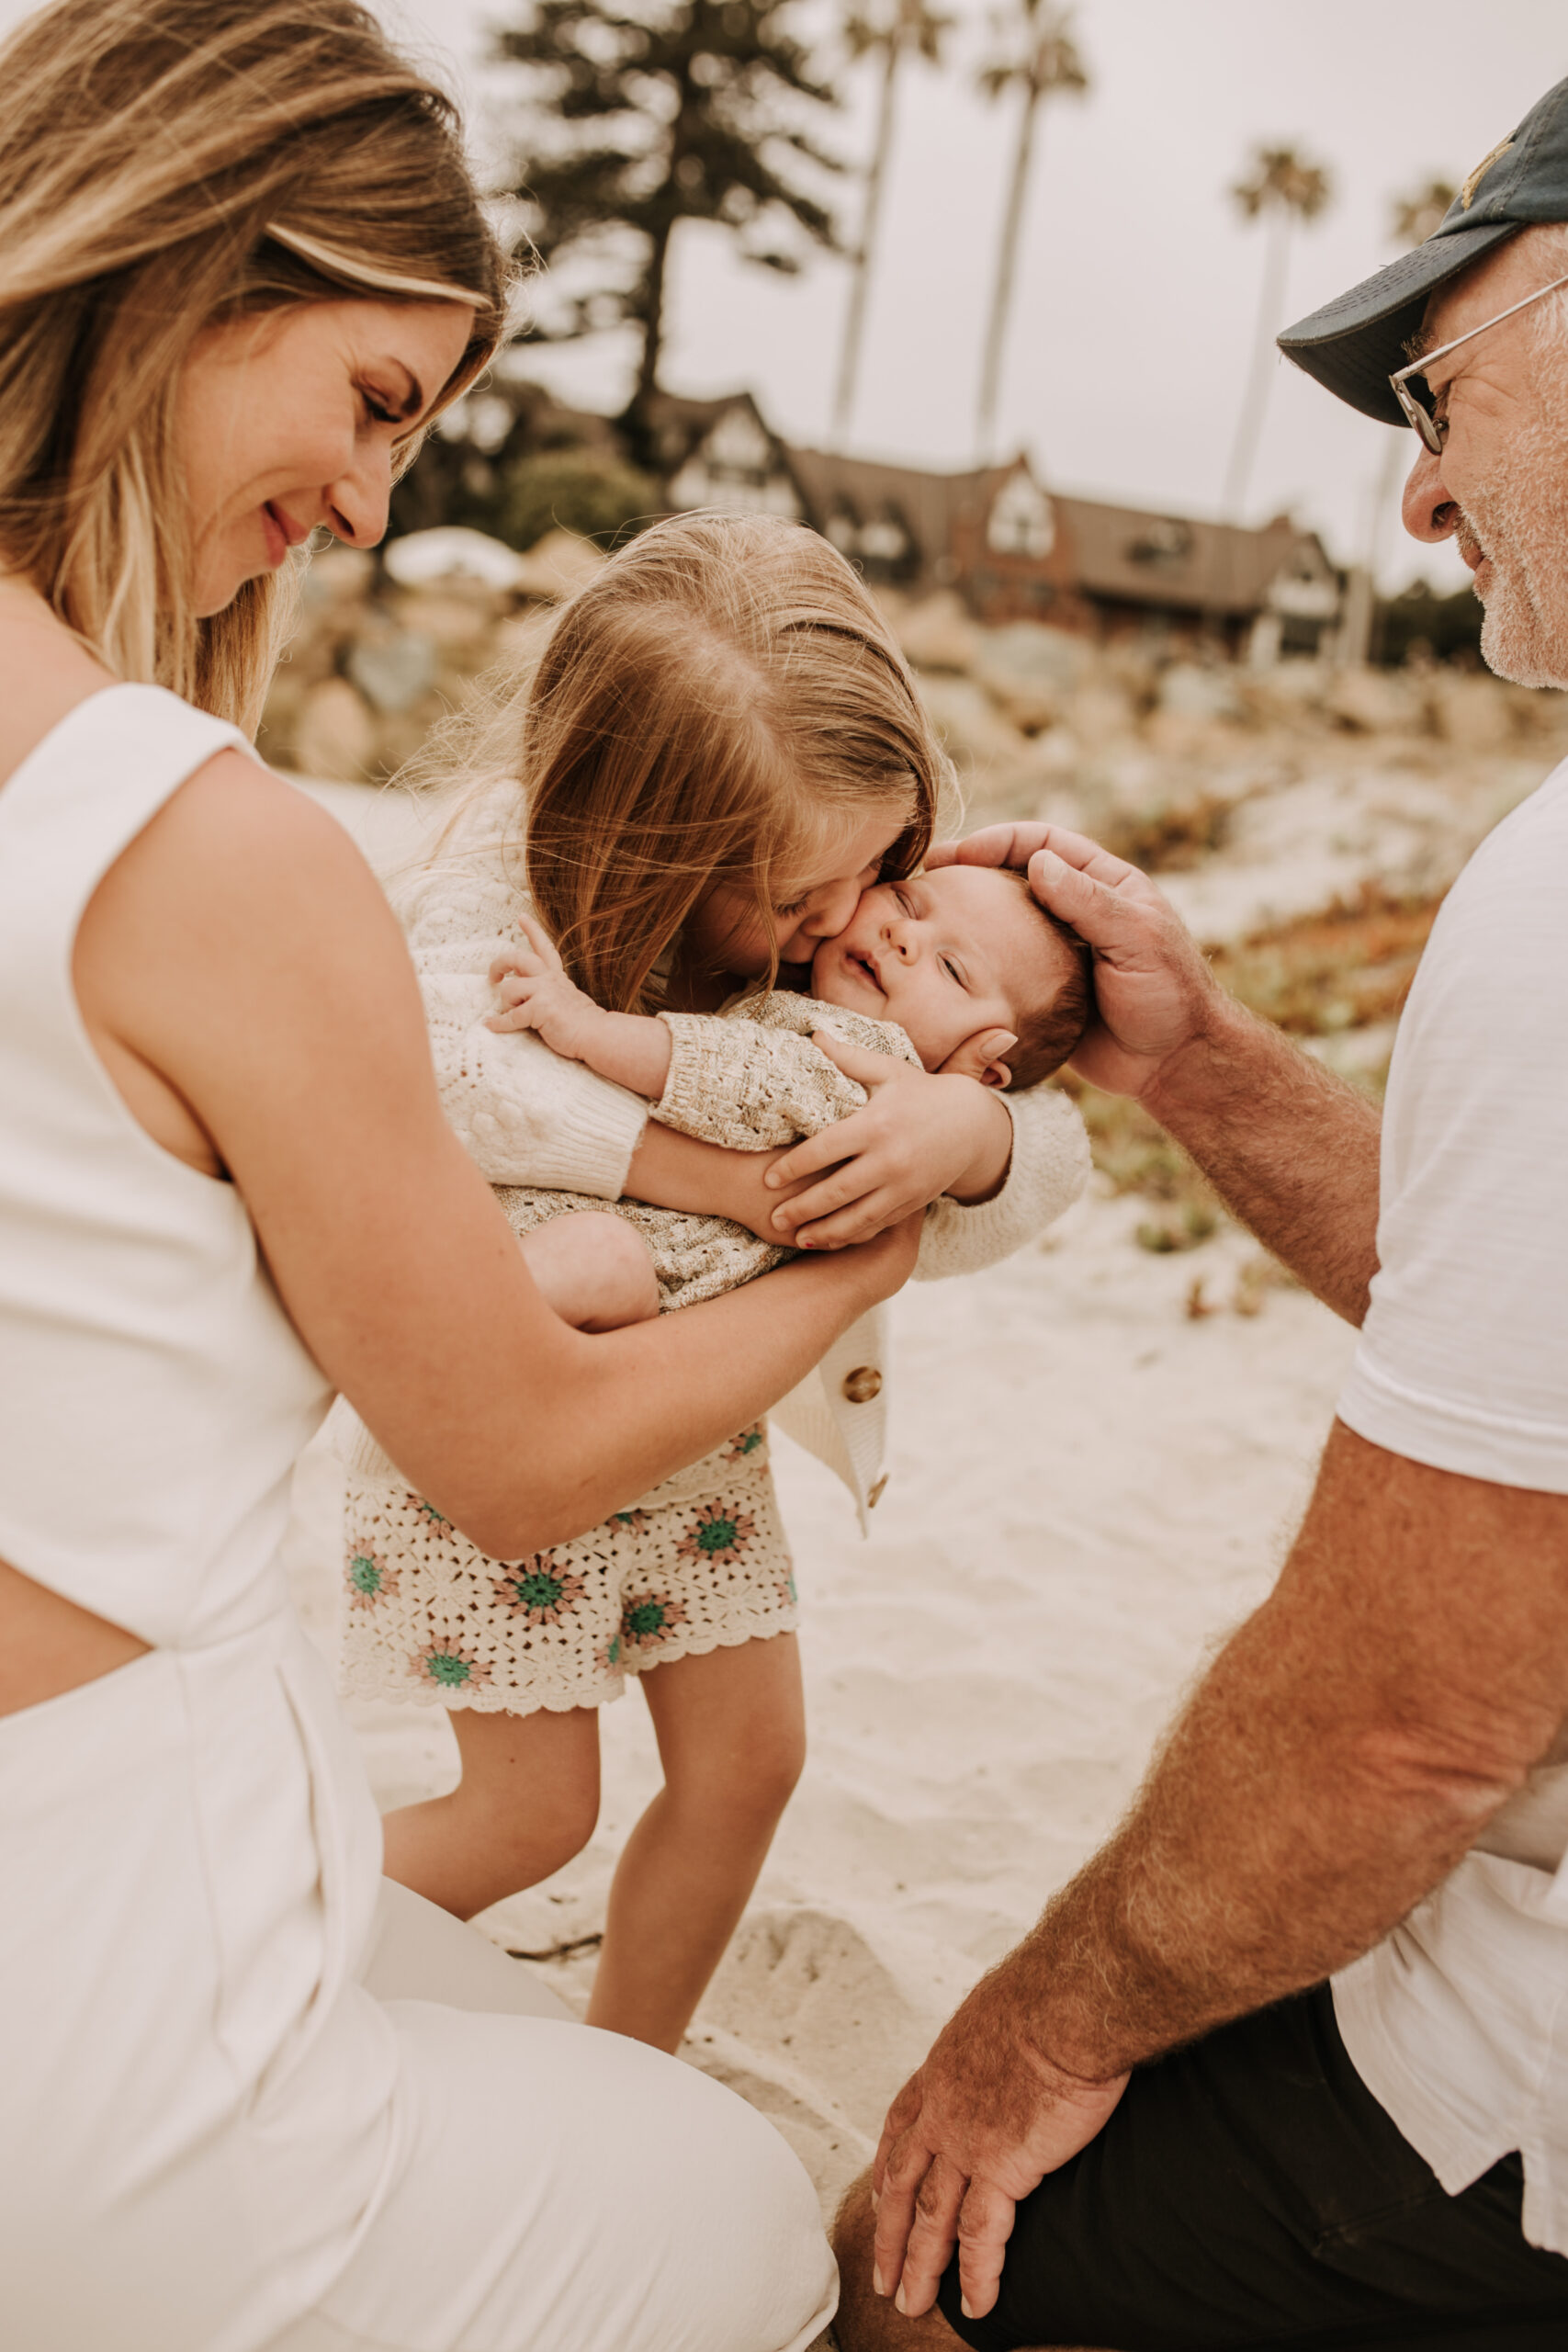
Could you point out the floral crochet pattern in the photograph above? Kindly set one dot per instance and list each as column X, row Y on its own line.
column 701, row 1564
column 650, row 1617
column 368, row 1578
column 721, row 1532
column 540, row 1588
column 449, row 1668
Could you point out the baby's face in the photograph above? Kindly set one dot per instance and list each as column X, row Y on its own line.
column 942, row 955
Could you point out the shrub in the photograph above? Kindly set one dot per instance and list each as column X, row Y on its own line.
column 599, row 497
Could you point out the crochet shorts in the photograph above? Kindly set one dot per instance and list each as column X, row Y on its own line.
column 430, row 1617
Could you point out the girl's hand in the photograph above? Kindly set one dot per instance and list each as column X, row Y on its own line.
column 535, row 994
column 919, row 1135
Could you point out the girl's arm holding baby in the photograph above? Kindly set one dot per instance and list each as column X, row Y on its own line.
column 742, row 1085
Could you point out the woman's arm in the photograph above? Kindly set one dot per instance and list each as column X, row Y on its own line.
column 241, row 950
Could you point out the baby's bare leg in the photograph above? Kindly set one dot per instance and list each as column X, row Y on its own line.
column 731, row 1730
column 593, row 1270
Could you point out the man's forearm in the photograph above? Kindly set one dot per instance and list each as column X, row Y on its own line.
column 1292, row 1150
column 1251, row 1867
column 1345, row 1748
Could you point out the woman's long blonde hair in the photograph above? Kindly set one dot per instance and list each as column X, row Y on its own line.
column 165, row 165
column 722, row 692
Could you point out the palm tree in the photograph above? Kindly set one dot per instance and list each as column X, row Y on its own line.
column 895, row 28
column 1413, row 219
column 1284, row 189
column 1039, row 58
column 1419, row 215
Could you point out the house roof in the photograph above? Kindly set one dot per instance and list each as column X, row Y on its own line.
column 678, row 425
column 1125, row 553
column 1120, row 551
column 928, row 503
column 1145, row 559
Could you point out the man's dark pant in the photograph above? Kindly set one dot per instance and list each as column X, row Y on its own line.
column 1250, row 2195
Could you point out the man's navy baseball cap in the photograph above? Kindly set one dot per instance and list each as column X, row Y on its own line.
column 1353, row 345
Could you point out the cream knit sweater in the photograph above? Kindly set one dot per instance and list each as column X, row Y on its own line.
column 553, row 1136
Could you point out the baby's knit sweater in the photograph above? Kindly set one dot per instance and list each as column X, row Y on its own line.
column 553, row 1136
column 750, row 1078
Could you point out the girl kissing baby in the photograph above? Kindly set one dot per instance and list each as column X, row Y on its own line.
column 720, row 772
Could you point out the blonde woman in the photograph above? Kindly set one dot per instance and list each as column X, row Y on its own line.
column 246, row 2102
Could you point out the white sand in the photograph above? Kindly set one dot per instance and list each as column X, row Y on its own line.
column 1088, row 1488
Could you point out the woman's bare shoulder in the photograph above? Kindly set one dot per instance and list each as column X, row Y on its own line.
column 44, row 672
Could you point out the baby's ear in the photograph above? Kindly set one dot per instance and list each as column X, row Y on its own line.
column 981, row 1057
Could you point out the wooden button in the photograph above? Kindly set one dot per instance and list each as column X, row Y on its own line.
column 877, row 1492
column 861, row 1384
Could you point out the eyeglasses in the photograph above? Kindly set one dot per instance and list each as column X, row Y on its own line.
column 1434, row 430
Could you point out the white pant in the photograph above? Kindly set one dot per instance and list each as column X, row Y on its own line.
column 238, row 2083
column 560, row 2189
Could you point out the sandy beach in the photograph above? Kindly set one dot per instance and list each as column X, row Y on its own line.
column 1088, row 1489
column 1089, row 1484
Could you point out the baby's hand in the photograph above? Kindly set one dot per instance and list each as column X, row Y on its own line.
column 537, row 994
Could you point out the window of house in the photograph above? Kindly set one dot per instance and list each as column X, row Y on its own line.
column 1022, row 520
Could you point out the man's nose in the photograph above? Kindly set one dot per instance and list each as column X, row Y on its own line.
column 1428, row 511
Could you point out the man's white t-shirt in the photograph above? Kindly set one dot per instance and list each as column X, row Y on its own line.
column 1458, row 2022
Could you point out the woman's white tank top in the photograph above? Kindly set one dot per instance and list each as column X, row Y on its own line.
column 154, row 1396
column 197, row 2092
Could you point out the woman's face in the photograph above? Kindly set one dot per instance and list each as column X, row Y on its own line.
column 292, row 419
column 816, row 893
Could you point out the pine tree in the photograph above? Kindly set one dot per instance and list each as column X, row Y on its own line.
column 630, row 124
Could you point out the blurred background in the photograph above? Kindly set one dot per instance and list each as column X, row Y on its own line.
column 987, row 291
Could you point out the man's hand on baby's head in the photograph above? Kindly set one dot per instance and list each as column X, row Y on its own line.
column 535, row 994
column 1155, row 992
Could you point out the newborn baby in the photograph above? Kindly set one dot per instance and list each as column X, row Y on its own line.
column 961, row 971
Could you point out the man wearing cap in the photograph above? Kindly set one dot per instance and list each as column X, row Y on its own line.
column 1286, row 2064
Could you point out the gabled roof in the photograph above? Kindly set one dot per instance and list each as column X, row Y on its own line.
column 679, row 426
column 1143, row 558
column 1119, row 552
column 929, row 504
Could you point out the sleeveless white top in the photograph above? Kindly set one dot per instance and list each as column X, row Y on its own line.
column 153, row 1396
column 196, row 2094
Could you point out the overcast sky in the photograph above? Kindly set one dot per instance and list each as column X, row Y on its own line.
column 1138, row 285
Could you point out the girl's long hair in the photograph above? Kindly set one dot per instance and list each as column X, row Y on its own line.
column 164, row 166
column 724, row 691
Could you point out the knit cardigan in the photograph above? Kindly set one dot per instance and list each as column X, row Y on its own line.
column 748, row 1077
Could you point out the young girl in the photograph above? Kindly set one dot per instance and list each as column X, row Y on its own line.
column 721, row 749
